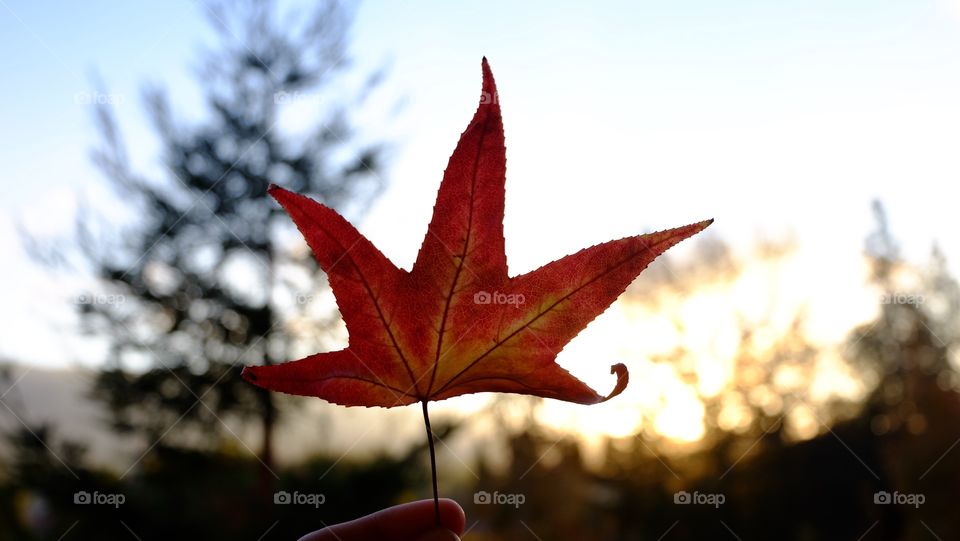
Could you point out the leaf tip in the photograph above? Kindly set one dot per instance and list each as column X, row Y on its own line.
column 489, row 94
column 281, row 194
column 249, row 374
column 694, row 228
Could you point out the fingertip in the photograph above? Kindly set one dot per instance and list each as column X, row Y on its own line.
column 452, row 516
column 405, row 521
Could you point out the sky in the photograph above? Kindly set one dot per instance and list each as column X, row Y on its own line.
column 774, row 118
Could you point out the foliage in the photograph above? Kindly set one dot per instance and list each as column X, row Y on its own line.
column 205, row 273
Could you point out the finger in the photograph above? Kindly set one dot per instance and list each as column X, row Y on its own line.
column 402, row 522
column 441, row 534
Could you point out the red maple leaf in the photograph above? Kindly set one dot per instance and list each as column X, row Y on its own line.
column 457, row 323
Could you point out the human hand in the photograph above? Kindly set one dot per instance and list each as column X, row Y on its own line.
column 413, row 521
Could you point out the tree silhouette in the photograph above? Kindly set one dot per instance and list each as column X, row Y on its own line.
column 203, row 282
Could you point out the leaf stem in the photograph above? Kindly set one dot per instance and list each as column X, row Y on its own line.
column 433, row 462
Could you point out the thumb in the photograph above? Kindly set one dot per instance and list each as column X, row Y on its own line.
column 440, row 534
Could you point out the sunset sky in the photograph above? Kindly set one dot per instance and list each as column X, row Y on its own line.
column 777, row 119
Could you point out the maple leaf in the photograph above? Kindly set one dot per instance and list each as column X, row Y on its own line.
column 457, row 323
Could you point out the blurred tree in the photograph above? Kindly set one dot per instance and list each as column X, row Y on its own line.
column 913, row 409
column 204, row 281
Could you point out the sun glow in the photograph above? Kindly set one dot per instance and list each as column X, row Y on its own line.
column 667, row 388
